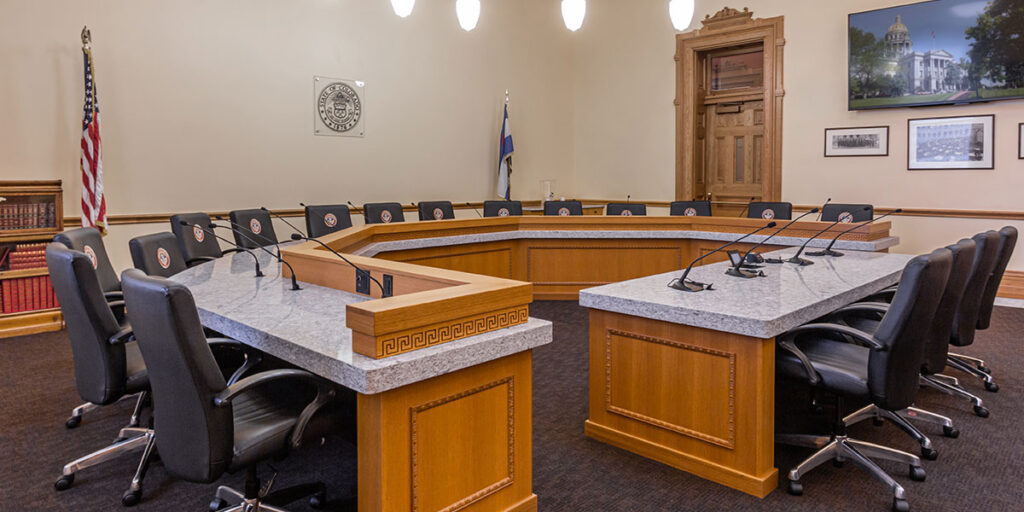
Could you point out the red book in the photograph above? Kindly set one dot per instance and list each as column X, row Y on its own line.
column 35, row 294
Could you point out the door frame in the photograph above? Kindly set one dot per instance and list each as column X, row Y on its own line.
column 726, row 29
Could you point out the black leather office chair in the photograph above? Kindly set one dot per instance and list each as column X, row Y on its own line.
column 503, row 208
column 90, row 242
column 383, row 213
column 197, row 246
column 847, row 212
column 867, row 317
column 883, row 368
column 255, row 224
column 436, row 210
column 326, row 219
column 108, row 365
column 157, row 254
column 626, row 209
column 205, row 426
column 770, row 211
column 690, row 208
column 1007, row 242
column 563, row 208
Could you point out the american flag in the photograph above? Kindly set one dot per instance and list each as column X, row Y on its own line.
column 94, row 204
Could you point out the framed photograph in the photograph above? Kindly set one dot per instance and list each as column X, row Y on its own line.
column 867, row 141
column 1020, row 141
column 951, row 143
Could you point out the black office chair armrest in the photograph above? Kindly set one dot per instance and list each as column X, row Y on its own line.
column 225, row 397
column 123, row 336
column 112, row 296
column 789, row 346
column 858, row 335
column 860, row 307
column 252, row 356
column 325, row 392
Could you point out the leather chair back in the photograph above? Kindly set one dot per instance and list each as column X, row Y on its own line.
column 195, row 244
column 157, row 254
column 770, row 211
column 937, row 344
column 436, row 210
column 503, row 208
column 690, row 208
column 563, row 208
column 90, row 242
column 849, row 212
column 326, row 219
column 626, row 209
column 965, row 321
column 100, row 371
column 383, row 213
column 893, row 372
column 255, row 224
column 195, row 439
column 1007, row 242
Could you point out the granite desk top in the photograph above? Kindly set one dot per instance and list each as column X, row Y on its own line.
column 420, row 243
column 307, row 327
column 761, row 307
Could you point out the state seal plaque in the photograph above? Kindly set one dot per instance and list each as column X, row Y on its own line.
column 338, row 106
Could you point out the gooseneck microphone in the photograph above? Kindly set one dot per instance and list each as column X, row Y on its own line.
column 828, row 250
column 384, row 294
column 737, row 268
column 627, row 198
column 474, row 209
column 802, row 262
column 687, row 285
column 827, row 201
column 295, row 284
column 352, row 205
column 282, row 219
column 259, row 273
column 747, row 207
column 240, row 231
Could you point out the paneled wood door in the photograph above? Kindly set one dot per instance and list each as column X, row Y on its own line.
column 734, row 162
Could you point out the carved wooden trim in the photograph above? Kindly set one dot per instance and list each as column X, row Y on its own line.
column 490, row 489
column 415, row 339
column 727, row 17
column 729, row 443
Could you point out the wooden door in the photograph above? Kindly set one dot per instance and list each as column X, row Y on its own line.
column 734, row 167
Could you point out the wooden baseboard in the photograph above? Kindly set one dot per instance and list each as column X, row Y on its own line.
column 1012, row 286
column 30, row 323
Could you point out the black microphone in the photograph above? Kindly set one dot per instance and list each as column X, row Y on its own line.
column 264, row 208
column 295, row 284
column 828, row 250
column 474, row 209
column 352, row 205
column 241, row 232
column 692, row 286
column 747, row 207
column 299, row 236
column 827, row 201
column 259, row 273
column 627, row 198
column 736, row 269
column 802, row 262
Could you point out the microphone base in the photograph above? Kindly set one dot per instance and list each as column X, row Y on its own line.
column 774, row 260
column 689, row 286
column 746, row 274
column 826, row 252
column 800, row 261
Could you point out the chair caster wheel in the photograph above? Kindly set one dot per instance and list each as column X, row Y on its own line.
column 878, row 422
column 985, row 369
column 992, row 386
column 73, row 422
column 917, row 474
column 981, row 411
column 951, row 432
column 217, row 504
column 929, row 454
column 317, row 500
column 795, row 488
column 899, row 505
column 64, row 482
column 131, row 498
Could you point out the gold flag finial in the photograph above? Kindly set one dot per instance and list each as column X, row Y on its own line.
column 86, row 36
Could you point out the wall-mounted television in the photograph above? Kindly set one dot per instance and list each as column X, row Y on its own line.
column 939, row 52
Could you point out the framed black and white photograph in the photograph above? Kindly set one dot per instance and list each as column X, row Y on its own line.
column 1020, row 141
column 946, row 143
column 866, row 141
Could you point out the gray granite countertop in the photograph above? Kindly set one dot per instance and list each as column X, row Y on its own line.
column 400, row 245
column 307, row 327
column 763, row 307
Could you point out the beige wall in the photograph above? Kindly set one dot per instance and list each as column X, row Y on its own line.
column 623, row 121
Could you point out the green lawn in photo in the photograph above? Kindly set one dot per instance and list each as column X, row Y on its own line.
column 905, row 100
column 1002, row 93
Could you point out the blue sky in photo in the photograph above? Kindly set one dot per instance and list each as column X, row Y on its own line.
column 947, row 18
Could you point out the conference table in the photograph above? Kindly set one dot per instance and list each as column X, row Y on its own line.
column 442, row 368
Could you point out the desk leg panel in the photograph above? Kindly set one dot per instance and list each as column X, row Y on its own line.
column 696, row 399
column 458, row 442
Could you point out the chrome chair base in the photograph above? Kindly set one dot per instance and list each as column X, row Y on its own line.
column 975, row 367
column 129, row 440
column 900, row 419
column 942, row 383
column 76, row 414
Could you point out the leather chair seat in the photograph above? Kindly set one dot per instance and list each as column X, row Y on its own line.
column 135, row 369
column 262, row 426
column 843, row 367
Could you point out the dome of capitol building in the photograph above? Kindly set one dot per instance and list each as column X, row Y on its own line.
column 897, row 39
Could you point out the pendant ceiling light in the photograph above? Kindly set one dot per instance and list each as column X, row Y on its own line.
column 403, row 8
column 681, row 12
column 573, row 12
column 468, row 12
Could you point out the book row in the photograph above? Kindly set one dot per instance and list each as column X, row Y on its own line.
column 26, row 294
column 28, row 216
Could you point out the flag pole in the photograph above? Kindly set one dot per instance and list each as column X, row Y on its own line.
column 510, row 156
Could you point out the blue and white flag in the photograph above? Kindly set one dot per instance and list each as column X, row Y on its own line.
column 505, row 151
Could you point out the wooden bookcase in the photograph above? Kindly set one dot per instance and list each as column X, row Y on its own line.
column 31, row 212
